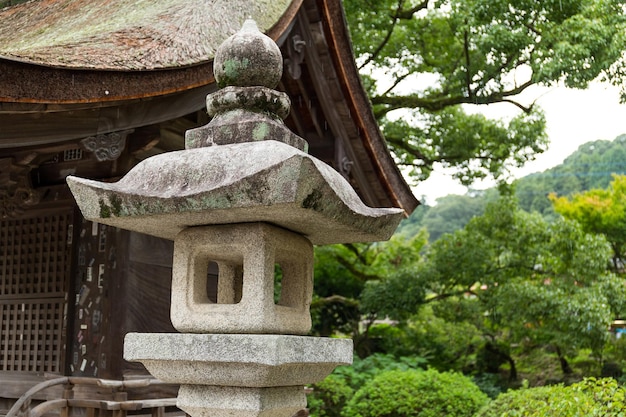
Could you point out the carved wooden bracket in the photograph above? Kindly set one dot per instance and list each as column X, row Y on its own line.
column 16, row 191
column 107, row 146
column 343, row 163
column 295, row 56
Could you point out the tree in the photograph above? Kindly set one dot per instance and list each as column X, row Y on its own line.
column 342, row 272
column 452, row 212
column 520, row 279
column 428, row 58
column 600, row 211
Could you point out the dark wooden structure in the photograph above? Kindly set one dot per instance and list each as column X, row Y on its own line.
column 126, row 85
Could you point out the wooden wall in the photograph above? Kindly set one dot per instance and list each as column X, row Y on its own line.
column 35, row 269
column 70, row 290
column 123, row 284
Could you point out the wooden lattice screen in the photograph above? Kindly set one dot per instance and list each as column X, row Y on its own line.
column 35, row 258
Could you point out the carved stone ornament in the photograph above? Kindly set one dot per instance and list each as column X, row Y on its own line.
column 107, row 146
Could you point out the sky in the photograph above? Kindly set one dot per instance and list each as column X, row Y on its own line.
column 573, row 117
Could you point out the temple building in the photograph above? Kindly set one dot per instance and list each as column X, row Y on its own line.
column 91, row 88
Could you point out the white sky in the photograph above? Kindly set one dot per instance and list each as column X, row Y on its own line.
column 573, row 117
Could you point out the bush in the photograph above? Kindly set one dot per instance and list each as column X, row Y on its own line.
column 491, row 384
column 589, row 398
column 329, row 397
column 364, row 370
column 416, row 394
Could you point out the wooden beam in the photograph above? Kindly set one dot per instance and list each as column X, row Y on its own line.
column 36, row 129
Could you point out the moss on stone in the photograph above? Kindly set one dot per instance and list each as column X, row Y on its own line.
column 105, row 212
column 260, row 132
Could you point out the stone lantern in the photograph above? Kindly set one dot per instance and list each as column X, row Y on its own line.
column 243, row 194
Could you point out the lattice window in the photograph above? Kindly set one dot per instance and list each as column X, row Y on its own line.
column 73, row 155
column 34, row 268
column 32, row 337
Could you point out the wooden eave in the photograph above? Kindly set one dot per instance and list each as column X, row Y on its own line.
column 340, row 47
column 43, row 106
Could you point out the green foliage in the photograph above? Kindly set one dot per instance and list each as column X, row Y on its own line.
column 335, row 306
column 427, row 58
column 329, row 397
column 591, row 397
column 615, row 350
column 346, row 274
column 600, row 211
column 364, row 370
column 590, row 167
column 517, row 278
column 396, row 296
column 491, row 384
column 416, row 393
column 453, row 212
column 446, row 345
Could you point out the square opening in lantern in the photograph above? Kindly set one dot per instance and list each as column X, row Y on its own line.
column 264, row 280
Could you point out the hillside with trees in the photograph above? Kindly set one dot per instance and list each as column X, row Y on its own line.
column 591, row 166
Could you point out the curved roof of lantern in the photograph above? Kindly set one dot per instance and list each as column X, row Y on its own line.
column 126, row 35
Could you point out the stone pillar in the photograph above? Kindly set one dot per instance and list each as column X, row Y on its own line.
column 245, row 195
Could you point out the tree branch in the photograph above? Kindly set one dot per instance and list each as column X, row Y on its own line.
column 387, row 37
column 335, row 299
column 411, row 150
column 408, row 13
column 396, row 82
column 444, row 296
column 437, row 104
column 468, row 79
column 355, row 271
column 525, row 109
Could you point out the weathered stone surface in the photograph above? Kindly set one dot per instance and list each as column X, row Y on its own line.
column 264, row 181
column 211, row 401
column 248, row 58
column 258, row 99
column 240, row 360
column 245, row 304
column 245, row 114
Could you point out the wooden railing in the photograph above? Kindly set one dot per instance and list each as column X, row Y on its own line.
column 116, row 403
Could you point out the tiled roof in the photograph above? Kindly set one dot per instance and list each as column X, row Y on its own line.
column 124, row 35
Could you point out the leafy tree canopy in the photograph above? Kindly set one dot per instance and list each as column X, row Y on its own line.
column 517, row 278
column 428, row 58
column 600, row 211
column 342, row 272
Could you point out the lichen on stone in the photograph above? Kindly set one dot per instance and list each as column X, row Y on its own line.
column 260, row 132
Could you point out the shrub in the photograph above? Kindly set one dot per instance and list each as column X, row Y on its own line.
column 491, row 384
column 416, row 394
column 589, row 398
column 364, row 370
column 447, row 345
column 329, row 397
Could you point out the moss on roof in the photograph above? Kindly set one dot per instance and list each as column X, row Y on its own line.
column 126, row 34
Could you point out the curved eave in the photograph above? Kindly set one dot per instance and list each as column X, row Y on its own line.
column 127, row 35
column 337, row 34
column 23, row 81
column 34, row 84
